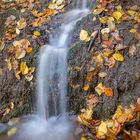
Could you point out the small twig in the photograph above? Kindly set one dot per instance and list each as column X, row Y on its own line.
column 93, row 40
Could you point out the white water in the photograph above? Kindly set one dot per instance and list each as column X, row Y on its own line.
column 52, row 73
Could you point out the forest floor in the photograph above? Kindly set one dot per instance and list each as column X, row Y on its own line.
column 104, row 64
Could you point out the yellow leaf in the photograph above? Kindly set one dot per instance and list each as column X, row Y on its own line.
column 87, row 114
column 59, row 2
column 86, row 87
column 29, row 49
column 103, row 19
column 83, row 138
column 131, row 12
column 99, row 89
column 84, row 35
column 133, row 30
column 12, row 132
column 24, row 68
column 117, row 15
column 7, row 111
column 11, row 105
column 36, row 33
column 17, row 74
column 102, row 130
column 97, row 11
column 102, row 74
column 117, row 56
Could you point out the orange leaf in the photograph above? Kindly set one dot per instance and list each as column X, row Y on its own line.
column 108, row 91
column 137, row 108
column 29, row 49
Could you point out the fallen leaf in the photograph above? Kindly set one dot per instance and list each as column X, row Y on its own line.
column 103, row 19
column 11, row 105
column 132, row 50
column 108, row 91
column 105, row 30
column 21, row 24
column 117, row 56
column 24, row 68
column 20, row 53
column 84, row 35
column 2, row 45
column 131, row 12
column 102, row 74
column 29, row 49
column 29, row 77
column 137, row 108
column 110, row 62
column 117, row 15
column 12, row 132
column 86, row 87
column 102, row 130
column 138, row 101
column 99, row 89
column 36, row 33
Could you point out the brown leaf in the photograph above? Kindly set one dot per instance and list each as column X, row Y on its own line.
column 132, row 50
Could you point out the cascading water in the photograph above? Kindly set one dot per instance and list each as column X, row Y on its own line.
column 52, row 73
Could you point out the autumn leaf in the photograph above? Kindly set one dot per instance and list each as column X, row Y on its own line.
column 57, row 4
column 12, row 132
column 103, row 19
column 2, row 45
column 102, row 130
column 138, row 101
column 84, row 36
column 137, row 108
column 97, row 11
column 87, row 114
column 24, row 68
column 21, row 24
column 99, row 89
column 131, row 12
column 7, row 111
column 105, row 30
column 132, row 50
column 20, row 53
column 11, row 105
column 38, row 22
column 102, row 74
column 29, row 49
column 86, row 87
column 29, row 77
column 36, row 33
column 117, row 56
column 108, row 91
column 17, row 74
column 117, row 15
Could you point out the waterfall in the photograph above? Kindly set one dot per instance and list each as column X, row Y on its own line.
column 52, row 71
